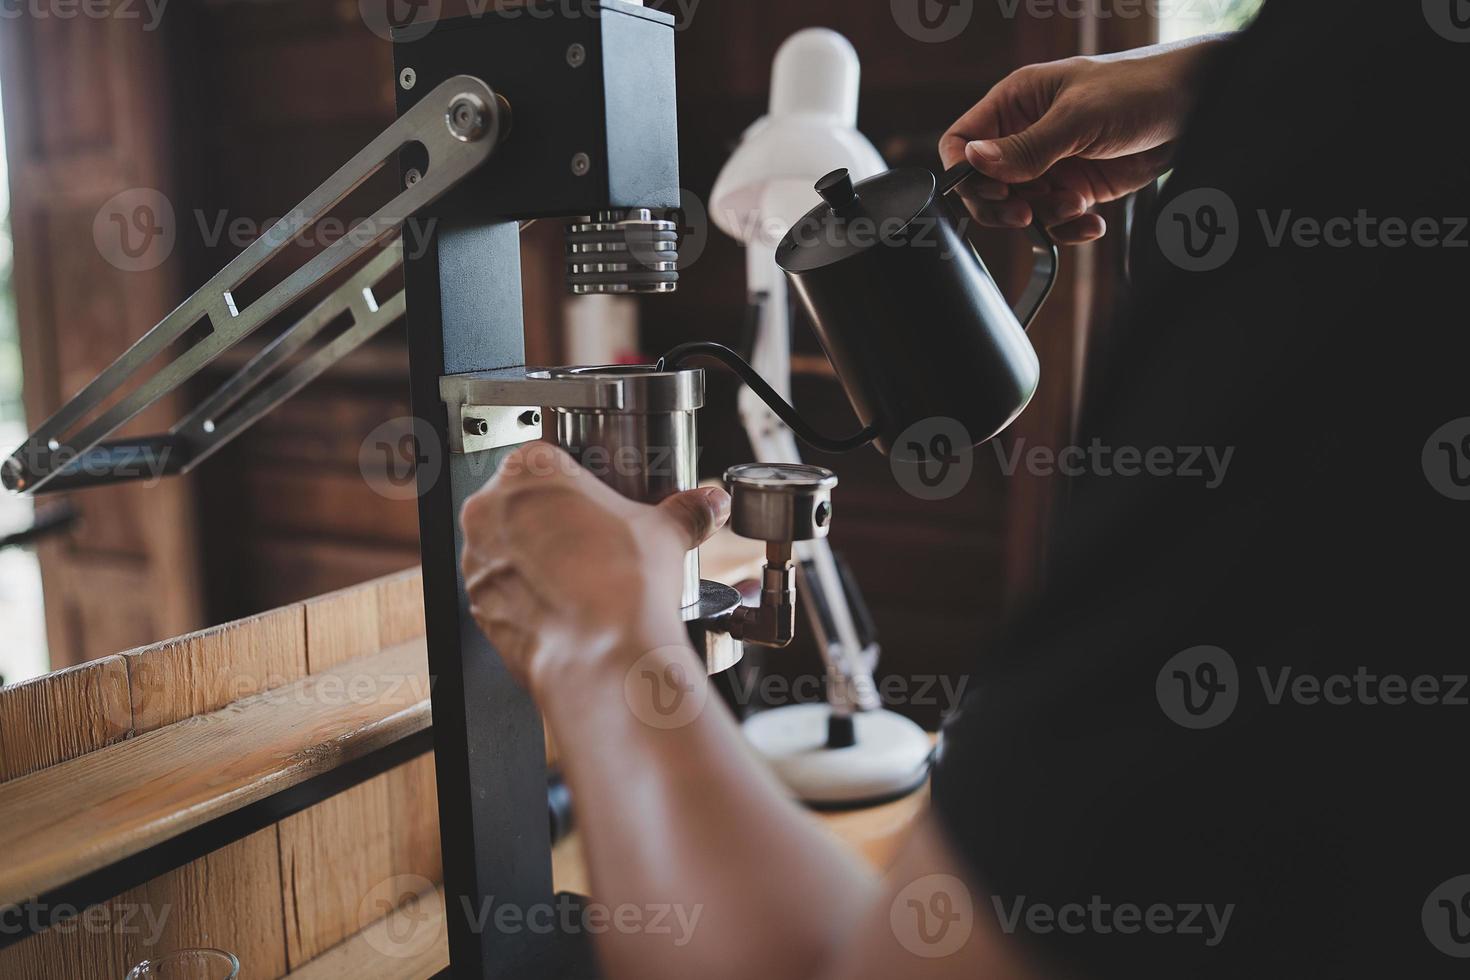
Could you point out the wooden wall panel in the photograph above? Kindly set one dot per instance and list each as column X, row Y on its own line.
column 101, row 944
column 230, row 899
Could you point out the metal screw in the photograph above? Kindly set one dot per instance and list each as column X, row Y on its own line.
column 581, row 163
column 412, row 177
column 12, row 474
column 408, row 78
column 529, row 418
column 576, row 55
column 476, row 427
column 466, row 118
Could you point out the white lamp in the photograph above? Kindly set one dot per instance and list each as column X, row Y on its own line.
column 764, row 189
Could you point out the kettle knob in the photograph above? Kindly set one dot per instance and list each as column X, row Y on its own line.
column 836, row 189
column 777, row 502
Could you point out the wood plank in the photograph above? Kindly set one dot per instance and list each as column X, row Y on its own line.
column 229, row 899
column 411, row 943
column 401, row 607
column 57, row 717
column 146, row 790
column 205, row 671
column 341, row 858
column 341, row 626
column 347, row 860
column 104, row 943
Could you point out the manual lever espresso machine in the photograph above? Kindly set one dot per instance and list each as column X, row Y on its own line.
column 504, row 118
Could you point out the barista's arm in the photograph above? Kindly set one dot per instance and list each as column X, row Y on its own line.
column 706, row 867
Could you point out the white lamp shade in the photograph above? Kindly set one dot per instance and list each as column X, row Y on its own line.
column 766, row 186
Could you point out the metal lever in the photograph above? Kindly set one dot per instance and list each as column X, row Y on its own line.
column 248, row 394
column 457, row 125
column 778, row 503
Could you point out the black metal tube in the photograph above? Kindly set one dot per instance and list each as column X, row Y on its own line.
column 116, row 461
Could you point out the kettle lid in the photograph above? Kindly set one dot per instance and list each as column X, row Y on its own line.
column 854, row 218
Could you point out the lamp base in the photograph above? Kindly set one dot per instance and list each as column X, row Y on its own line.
column 889, row 757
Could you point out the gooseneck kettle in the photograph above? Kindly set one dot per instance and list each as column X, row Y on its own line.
column 906, row 311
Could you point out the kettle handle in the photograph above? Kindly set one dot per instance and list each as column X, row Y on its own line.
column 1046, row 257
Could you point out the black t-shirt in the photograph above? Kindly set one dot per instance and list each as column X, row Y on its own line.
column 1242, row 692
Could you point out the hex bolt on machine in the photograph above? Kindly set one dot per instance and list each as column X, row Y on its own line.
column 593, row 141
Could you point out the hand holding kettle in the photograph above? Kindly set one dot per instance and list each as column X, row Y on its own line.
column 1053, row 140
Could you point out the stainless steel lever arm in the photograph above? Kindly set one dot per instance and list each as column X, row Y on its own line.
column 457, row 125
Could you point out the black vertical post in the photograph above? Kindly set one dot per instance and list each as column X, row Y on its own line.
column 592, row 126
column 464, row 314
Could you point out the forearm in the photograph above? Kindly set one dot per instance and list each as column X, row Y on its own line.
column 678, row 820
column 1182, row 61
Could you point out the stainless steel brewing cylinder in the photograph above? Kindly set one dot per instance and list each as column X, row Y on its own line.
column 646, row 446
